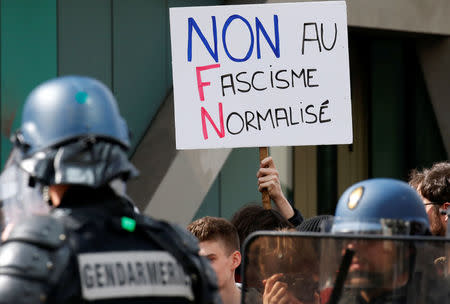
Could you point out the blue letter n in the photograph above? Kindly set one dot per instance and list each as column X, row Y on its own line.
column 193, row 24
column 259, row 27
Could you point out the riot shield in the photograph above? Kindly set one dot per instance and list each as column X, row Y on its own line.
column 305, row 268
column 18, row 199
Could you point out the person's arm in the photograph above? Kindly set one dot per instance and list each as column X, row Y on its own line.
column 268, row 179
column 297, row 218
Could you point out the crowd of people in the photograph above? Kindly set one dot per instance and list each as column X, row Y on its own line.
column 71, row 235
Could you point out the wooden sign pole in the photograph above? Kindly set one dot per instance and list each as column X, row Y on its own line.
column 263, row 153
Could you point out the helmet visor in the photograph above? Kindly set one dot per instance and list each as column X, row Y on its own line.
column 377, row 226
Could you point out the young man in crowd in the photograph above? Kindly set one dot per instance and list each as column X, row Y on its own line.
column 219, row 243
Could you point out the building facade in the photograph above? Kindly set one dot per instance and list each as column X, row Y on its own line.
column 399, row 63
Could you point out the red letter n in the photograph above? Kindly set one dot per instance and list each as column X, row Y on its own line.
column 220, row 132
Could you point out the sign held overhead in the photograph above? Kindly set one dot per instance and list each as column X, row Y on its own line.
column 261, row 75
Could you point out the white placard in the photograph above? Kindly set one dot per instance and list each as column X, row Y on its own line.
column 261, row 75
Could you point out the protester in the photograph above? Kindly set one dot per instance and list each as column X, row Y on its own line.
column 280, row 285
column 433, row 185
column 416, row 178
column 92, row 246
column 268, row 179
column 290, row 270
column 254, row 217
column 219, row 243
column 281, row 267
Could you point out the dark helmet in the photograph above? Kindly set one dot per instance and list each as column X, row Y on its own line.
column 68, row 107
column 72, row 133
column 381, row 205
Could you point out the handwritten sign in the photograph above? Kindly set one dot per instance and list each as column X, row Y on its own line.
column 261, row 75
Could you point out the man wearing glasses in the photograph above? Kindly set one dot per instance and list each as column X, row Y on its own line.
column 433, row 185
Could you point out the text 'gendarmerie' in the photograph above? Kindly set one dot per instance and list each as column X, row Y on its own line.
column 134, row 273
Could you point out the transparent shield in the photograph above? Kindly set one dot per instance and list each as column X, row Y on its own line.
column 297, row 268
column 17, row 198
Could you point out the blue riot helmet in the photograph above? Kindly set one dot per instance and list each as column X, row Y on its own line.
column 367, row 264
column 382, row 206
column 68, row 107
column 72, row 133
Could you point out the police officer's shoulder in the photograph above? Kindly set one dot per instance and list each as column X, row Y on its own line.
column 31, row 259
column 175, row 232
column 189, row 241
column 184, row 246
column 20, row 291
column 42, row 230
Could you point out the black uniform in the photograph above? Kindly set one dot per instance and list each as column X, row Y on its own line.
column 435, row 291
column 395, row 297
column 95, row 249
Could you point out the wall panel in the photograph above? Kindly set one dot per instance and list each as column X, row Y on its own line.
column 28, row 57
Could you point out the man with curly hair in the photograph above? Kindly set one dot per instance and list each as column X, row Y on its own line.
column 433, row 185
